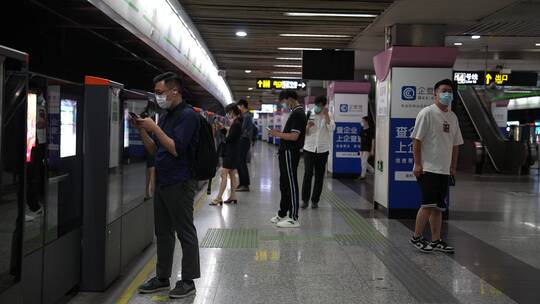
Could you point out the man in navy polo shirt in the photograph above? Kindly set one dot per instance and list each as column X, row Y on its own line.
column 172, row 142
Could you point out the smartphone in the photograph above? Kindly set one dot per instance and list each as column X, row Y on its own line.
column 133, row 115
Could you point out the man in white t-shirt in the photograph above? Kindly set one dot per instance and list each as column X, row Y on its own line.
column 436, row 138
column 316, row 148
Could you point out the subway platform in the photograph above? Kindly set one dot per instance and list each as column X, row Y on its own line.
column 346, row 252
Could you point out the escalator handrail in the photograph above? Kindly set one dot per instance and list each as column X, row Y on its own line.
column 490, row 135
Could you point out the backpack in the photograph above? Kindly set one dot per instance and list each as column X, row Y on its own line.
column 205, row 156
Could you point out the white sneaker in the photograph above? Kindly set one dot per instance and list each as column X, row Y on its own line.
column 32, row 215
column 276, row 219
column 28, row 218
column 288, row 223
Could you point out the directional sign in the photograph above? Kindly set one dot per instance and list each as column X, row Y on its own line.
column 497, row 78
column 280, row 84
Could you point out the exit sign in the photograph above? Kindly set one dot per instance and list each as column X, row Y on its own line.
column 280, row 84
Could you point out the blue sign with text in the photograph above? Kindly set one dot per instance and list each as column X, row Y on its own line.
column 405, row 191
column 346, row 156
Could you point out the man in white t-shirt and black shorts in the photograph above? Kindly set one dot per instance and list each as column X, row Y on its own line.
column 436, row 138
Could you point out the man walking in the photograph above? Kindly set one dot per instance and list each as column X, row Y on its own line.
column 173, row 142
column 436, row 138
column 245, row 143
column 292, row 140
column 316, row 149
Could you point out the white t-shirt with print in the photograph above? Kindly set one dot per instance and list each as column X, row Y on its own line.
column 438, row 132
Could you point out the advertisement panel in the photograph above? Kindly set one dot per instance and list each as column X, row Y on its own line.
column 348, row 112
column 412, row 90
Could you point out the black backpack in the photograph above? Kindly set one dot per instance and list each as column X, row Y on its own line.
column 205, row 156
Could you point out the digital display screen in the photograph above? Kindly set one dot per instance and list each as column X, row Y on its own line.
column 268, row 108
column 31, row 115
column 328, row 65
column 68, row 127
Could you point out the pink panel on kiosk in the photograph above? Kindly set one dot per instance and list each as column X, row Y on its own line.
column 408, row 56
column 352, row 87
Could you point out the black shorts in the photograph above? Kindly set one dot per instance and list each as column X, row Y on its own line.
column 434, row 189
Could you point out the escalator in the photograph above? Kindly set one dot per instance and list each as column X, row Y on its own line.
column 477, row 125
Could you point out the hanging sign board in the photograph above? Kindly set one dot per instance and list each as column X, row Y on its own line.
column 280, row 84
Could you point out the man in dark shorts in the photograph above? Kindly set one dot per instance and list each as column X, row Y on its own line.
column 436, row 138
column 292, row 140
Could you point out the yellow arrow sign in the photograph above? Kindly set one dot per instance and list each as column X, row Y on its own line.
column 488, row 78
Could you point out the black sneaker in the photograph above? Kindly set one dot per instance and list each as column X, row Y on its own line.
column 314, row 205
column 441, row 245
column 304, row 205
column 182, row 290
column 421, row 244
column 154, row 285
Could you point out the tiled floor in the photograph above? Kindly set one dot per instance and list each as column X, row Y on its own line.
column 308, row 265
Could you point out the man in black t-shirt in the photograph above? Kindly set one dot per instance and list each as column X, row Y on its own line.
column 292, row 140
column 367, row 146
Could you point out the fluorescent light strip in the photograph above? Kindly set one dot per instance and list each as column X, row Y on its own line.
column 284, row 77
column 458, row 43
column 315, row 35
column 287, row 66
column 537, row 44
column 298, row 49
column 475, row 37
column 287, row 72
column 292, row 58
column 297, row 14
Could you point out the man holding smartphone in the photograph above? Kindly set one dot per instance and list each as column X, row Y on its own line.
column 172, row 142
column 316, row 148
column 436, row 139
column 292, row 140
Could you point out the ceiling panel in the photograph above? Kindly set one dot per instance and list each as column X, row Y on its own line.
column 217, row 21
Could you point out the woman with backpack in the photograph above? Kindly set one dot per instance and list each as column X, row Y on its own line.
column 230, row 156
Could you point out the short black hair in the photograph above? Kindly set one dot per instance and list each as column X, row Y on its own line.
column 170, row 79
column 243, row 102
column 232, row 108
column 444, row 82
column 321, row 99
column 286, row 94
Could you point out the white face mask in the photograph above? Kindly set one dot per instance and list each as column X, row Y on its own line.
column 163, row 102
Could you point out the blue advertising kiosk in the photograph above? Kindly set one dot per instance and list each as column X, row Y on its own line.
column 348, row 103
column 405, row 80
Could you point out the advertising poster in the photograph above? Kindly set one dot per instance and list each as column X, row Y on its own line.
column 348, row 112
column 53, row 101
column 412, row 90
column 31, row 126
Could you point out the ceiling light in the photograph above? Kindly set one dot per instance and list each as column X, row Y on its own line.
column 247, row 71
column 288, row 58
column 283, row 77
column 537, row 44
column 241, row 34
column 287, row 66
column 315, row 35
column 475, row 37
column 298, row 49
column 286, row 72
column 249, row 89
column 296, row 14
column 458, row 43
